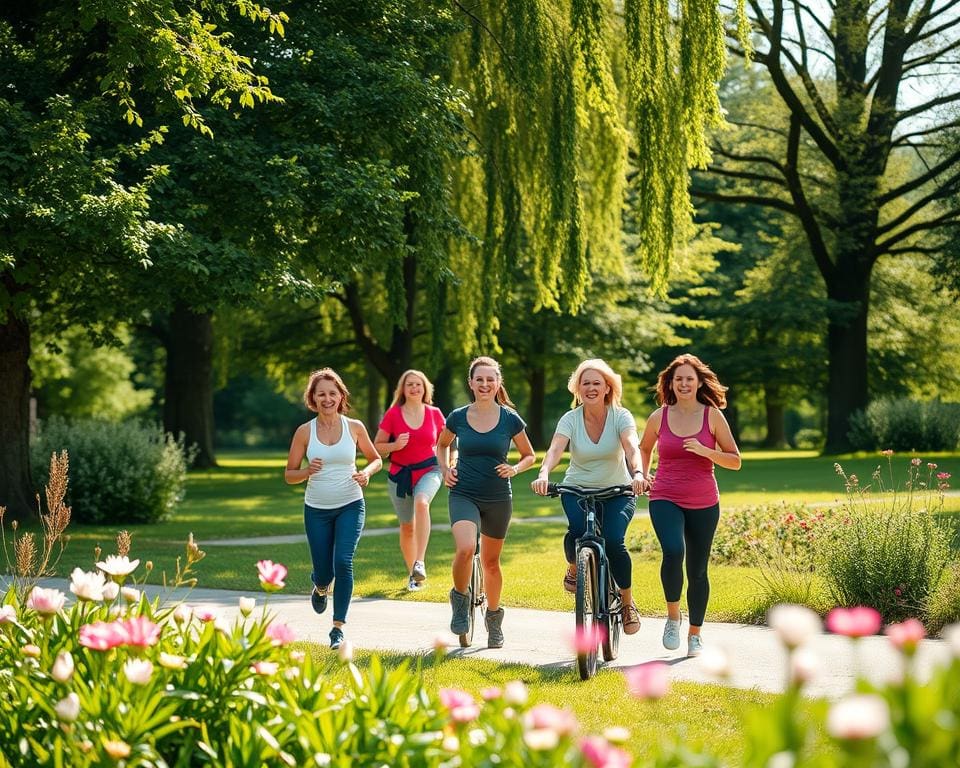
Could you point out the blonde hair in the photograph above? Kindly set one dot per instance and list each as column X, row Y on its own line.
column 326, row 374
column 399, row 398
column 613, row 380
column 502, row 397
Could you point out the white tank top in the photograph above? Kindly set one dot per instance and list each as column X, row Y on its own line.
column 333, row 486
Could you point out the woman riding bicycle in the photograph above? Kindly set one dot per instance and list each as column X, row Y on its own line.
column 604, row 451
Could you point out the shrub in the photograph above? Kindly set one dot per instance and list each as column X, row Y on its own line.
column 888, row 551
column 124, row 472
column 906, row 425
column 944, row 606
column 808, row 439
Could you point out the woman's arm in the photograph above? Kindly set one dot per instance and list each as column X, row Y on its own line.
column 527, row 457
column 649, row 439
column 293, row 474
column 726, row 454
column 631, row 452
column 445, row 457
column 385, row 446
column 374, row 462
column 550, row 460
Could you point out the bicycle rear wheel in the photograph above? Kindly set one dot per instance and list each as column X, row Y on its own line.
column 477, row 599
column 611, row 639
column 586, row 613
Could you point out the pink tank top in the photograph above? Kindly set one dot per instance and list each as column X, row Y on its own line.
column 683, row 477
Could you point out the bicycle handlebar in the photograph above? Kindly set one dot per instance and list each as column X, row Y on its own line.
column 555, row 489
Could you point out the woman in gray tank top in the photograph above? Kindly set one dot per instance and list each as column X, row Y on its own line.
column 334, row 510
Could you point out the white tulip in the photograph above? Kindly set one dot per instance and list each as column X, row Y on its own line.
column 63, row 667
column 138, row 671
column 862, row 716
column 794, row 624
column 247, row 604
column 68, row 708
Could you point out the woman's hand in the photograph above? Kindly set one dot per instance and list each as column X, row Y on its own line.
column 361, row 478
column 450, row 477
column 314, row 466
column 506, row 470
column 695, row 446
column 539, row 486
column 401, row 442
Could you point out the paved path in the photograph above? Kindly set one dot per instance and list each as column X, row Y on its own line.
column 541, row 638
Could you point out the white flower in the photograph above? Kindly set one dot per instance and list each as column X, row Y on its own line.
column 794, row 624
column 87, row 586
column 62, row 667
column 68, row 708
column 541, row 739
column 451, row 743
column 110, row 591
column 46, row 601
column 182, row 613
column 7, row 614
column 172, row 661
column 345, row 651
column 130, row 595
column 477, row 736
column 115, row 565
column 617, row 734
column 862, row 716
column 247, row 604
column 714, row 661
column 138, row 671
column 804, row 665
column 516, row 693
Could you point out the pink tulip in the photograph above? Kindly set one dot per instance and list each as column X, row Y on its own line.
column 562, row 721
column 491, row 694
column 860, row 621
column 205, row 614
column 886, row 452
column 648, row 681
column 46, row 601
column 586, row 639
column 102, row 635
column 265, row 668
column 141, row 631
column 280, row 634
column 461, row 705
column 601, row 754
column 906, row 635
column 271, row 575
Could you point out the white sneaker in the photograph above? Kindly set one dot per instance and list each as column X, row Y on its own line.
column 671, row 634
column 419, row 572
column 694, row 645
column 413, row 585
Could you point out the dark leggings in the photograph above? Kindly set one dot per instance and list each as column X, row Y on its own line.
column 676, row 527
column 613, row 515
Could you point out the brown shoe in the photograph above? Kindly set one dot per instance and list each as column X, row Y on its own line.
column 631, row 619
column 570, row 581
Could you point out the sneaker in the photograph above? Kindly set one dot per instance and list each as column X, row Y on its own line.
column 631, row 619
column 419, row 572
column 460, row 621
column 671, row 634
column 336, row 637
column 494, row 622
column 694, row 645
column 570, row 581
column 318, row 598
column 413, row 585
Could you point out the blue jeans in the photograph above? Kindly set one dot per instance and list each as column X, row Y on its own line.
column 613, row 515
column 685, row 532
column 332, row 535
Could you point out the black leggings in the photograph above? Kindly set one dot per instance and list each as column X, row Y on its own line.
column 676, row 527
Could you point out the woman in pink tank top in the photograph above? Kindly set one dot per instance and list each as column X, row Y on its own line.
column 691, row 435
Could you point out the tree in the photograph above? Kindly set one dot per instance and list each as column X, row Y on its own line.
column 68, row 226
column 841, row 165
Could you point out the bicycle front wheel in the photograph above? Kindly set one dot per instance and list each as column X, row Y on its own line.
column 587, row 604
column 611, row 641
column 477, row 599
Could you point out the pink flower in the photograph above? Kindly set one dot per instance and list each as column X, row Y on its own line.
column 271, row 575
column 280, row 634
column 102, row 635
column 265, row 668
column 906, row 635
column 491, row 693
column 886, row 452
column 586, row 639
column 462, row 707
column 916, row 462
column 205, row 614
column 141, row 631
column 8, row 614
column 547, row 716
column 860, row 621
column 601, row 754
column 862, row 716
column 931, row 465
column 648, row 681
column 943, row 475
column 46, row 601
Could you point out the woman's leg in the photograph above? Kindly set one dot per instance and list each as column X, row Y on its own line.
column 668, row 523
column 421, row 526
column 490, row 549
column 616, row 515
column 347, row 529
column 318, row 524
column 465, row 543
column 701, row 524
column 576, row 527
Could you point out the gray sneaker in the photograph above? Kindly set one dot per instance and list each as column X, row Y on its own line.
column 460, row 603
column 413, row 585
column 671, row 634
column 494, row 622
column 419, row 572
column 694, row 645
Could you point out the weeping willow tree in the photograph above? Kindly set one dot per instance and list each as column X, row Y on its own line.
column 570, row 99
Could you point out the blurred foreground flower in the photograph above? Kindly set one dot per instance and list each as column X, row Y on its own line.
column 862, row 716
column 859, row 621
column 601, row 754
column 460, row 704
column 648, row 681
column 794, row 624
column 272, row 575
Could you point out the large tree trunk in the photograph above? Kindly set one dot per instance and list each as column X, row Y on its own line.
column 773, row 401
column 188, row 384
column 537, row 379
column 16, row 488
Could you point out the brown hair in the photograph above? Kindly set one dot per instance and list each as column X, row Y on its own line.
column 399, row 398
column 709, row 391
column 326, row 374
column 502, row 397
column 612, row 379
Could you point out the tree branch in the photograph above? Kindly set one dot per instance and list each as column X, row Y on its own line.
column 918, row 181
column 951, row 218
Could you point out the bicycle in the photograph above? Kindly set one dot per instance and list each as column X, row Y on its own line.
column 478, row 597
column 599, row 609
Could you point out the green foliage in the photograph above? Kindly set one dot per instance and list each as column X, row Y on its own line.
column 808, row 439
column 888, row 550
column 944, row 605
column 120, row 472
column 903, row 424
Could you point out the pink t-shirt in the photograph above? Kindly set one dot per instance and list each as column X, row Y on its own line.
column 683, row 477
column 423, row 440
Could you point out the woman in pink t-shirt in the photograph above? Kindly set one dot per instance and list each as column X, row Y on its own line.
column 691, row 435
column 408, row 435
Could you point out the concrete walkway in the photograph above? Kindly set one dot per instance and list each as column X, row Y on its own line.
column 541, row 639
